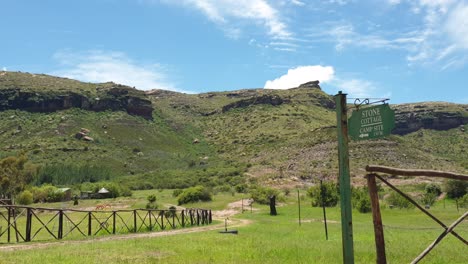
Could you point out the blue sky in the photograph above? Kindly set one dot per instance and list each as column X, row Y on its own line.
column 406, row 50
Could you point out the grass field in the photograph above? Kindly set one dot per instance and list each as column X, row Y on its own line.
column 266, row 239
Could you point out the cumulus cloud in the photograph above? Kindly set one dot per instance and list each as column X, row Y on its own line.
column 302, row 74
column 223, row 12
column 355, row 87
column 105, row 66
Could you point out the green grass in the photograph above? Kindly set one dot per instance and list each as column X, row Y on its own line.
column 268, row 239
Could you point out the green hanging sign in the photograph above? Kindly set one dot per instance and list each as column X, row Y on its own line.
column 371, row 122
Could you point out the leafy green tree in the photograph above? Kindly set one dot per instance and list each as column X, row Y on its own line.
column 14, row 175
column 330, row 191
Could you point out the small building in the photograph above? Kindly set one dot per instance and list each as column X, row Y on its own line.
column 103, row 193
column 67, row 193
column 86, row 194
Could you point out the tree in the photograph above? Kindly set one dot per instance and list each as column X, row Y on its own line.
column 14, row 175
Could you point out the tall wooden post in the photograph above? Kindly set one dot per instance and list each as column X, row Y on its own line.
column 60, row 225
column 28, row 224
column 377, row 219
column 345, row 182
column 113, row 222
column 134, row 221
column 9, row 224
column 90, row 215
column 183, row 218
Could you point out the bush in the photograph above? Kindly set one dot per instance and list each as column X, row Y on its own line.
column 399, row 201
column 361, row 200
column 433, row 188
column 456, row 188
column 151, row 202
column 47, row 193
column 194, row 194
column 463, row 202
column 152, row 198
column 261, row 194
column 331, row 194
column 177, row 192
column 25, row 198
column 429, row 198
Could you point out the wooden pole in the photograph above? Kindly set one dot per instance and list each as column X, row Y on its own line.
column 90, row 215
column 299, row 206
column 377, row 219
column 427, row 173
column 322, row 193
column 345, row 182
column 134, row 221
column 28, row 224
column 60, row 225
column 183, row 218
column 9, row 224
column 113, row 222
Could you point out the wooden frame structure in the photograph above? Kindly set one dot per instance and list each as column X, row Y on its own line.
column 26, row 223
column 377, row 218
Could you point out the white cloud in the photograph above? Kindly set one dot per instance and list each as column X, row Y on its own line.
column 104, row 66
column 302, row 74
column 358, row 88
column 4, row 69
column 223, row 12
column 457, row 26
column 354, row 87
column 297, row 2
column 344, row 35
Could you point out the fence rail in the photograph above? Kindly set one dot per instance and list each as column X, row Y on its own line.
column 25, row 224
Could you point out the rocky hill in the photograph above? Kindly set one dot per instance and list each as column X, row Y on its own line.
column 275, row 137
column 43, row 93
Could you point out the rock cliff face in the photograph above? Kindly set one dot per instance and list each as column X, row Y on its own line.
column 439, row 116
column 16, row 94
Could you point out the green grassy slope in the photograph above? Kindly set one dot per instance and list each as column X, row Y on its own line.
column 277, row 137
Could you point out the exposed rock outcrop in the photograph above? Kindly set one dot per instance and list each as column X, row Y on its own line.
column 19, row 92
column 437, row 115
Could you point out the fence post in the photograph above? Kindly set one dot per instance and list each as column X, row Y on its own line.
column 377, row 219
column 28, row 224
column 113, row 222
column 191, row 217
column 90, row 214
column 183, row 218
column 211, row 218
column 150, row 224
column 134, row 221
column 60, row 227
column 198, row 217
column 9, row 223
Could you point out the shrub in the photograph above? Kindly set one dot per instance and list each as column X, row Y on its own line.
column 433, row 188
column 177, row 192
column 261, row 194
column 463, row 202
column 429, row 198
column 456, row 188
column 399, row 201
column 361, row 200
column 152, row 198
column 194, row 194
column 331, row 194
column 25, row 198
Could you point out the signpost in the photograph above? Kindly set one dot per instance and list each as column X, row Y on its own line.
column 344, row 179
column 364, row 123
column 371, row 122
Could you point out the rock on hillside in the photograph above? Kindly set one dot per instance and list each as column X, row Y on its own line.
column 430, row 115
column 43, row 93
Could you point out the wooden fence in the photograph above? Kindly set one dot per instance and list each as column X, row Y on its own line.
column 25, row 224
column 377, row 218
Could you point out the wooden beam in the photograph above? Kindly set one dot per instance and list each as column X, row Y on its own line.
column 405, row 172
column 377, row 219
